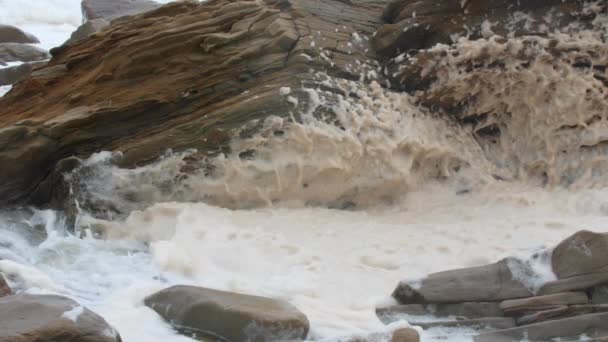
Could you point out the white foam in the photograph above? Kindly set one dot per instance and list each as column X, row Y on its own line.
column 74, row 313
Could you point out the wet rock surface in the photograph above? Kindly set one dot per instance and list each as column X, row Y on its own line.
column 30, row 318
column 206, row 313
column 199, row 67
column 509, row 313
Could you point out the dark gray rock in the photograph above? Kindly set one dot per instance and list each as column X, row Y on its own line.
column 599, row 295
column 489, row 283
column 13, row 52
column 593, row 325
column 515, row 306
column 479, row 323
column 36, row 318
column 469, row 310
column 201, row 312
column 12, row 34
column 583, row 253
column 112, row 9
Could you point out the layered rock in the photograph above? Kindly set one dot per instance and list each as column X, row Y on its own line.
column 206, row 313
column 179, row 77
column 491, row 298
column 30, row 318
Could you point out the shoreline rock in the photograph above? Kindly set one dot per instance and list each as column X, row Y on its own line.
column 206, row 313
column 32, row 318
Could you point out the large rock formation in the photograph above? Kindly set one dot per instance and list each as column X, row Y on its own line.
column 33, row 318
column 181, row 76
column 206, row 313
column 188, row 74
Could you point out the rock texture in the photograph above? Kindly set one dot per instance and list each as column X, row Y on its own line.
column 182, row 76
column 488, row 283
column 34, row 318
column 201, row 313
column 11, row 34
column 414, row 25
column 555, row 310
column 112, row 9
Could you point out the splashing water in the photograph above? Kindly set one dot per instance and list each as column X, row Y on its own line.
column 517, row 165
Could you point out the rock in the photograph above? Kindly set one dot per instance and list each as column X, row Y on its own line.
column 516, row 306
column 197, row 311
column 593, row 325
column 599, row 295
column 414, row 25
column 5, row 290
column 488, row 283
column 562, row 312
column 112, row 9
column 479, row 323
column 11, row 34
column 14, row 74
column 206, row 70
column 13, row 52
column 464, row 310
column 87, row 29
column 583, row 253
column 576, row 283
column 33, row 318
column 405, row 335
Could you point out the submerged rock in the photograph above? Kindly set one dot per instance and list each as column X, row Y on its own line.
column 34, row 318
column 206, row 313
column 12, row 34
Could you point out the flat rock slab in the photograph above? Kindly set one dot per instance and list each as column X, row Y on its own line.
column 563, row 312
column 112, row 9
column 576, row 283
column 479, row 323
column 489, row 283
column 583, row 253
column 469, row 310
column 567, row 298
column 13, row 52
column 12, row 34
column 593, row 325
column 202, row 312
column 35, row 318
